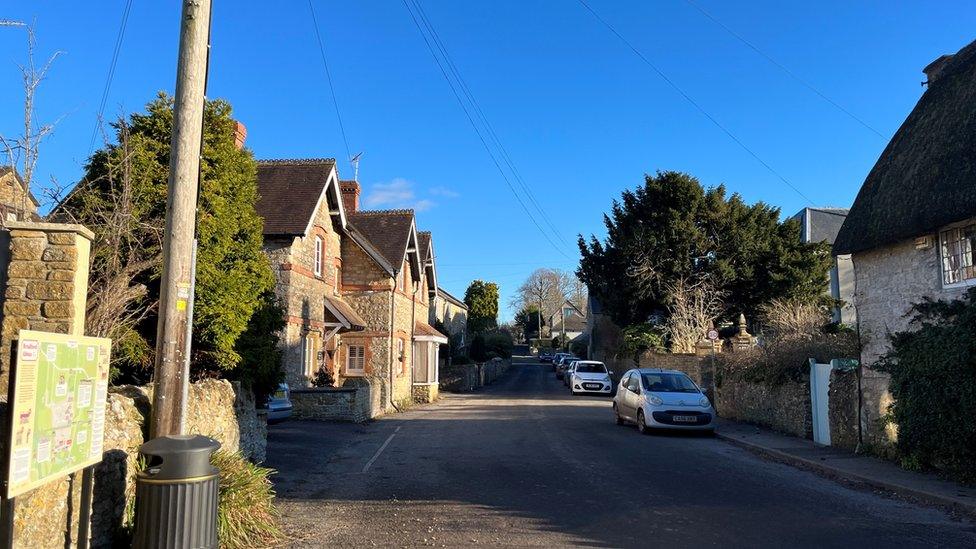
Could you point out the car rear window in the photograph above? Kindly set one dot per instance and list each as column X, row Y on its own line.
column 591, row 368
column 669, row 383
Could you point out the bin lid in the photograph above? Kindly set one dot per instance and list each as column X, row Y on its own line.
column 176, row 457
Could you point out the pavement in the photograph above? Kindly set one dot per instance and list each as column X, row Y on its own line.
column 848, row 467
column 522, row 463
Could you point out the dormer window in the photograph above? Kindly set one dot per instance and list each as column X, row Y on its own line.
column 319, row 252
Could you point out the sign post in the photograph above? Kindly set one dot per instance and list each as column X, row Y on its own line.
column 56, row 411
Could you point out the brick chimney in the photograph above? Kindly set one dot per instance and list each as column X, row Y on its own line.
column 240, row 134
column 350, row 195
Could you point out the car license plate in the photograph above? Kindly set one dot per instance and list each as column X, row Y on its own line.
column 686, row 419
column 592, row 385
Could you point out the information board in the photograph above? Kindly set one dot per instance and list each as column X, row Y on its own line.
column 58, row 407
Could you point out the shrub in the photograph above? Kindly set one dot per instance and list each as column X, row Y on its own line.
column 246, row 516
column 499, row 344
column 637, row 338
column 933, row 381
column 478, row 351
column 784, row 359
column 322, row 378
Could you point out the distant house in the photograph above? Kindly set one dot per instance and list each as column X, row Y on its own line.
column 911, row 232
column 17, row 203
column 304, row 226
column 451, row 312
column 568, row 321
column 822, row 225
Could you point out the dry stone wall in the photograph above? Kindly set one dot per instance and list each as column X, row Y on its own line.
column 784, row 408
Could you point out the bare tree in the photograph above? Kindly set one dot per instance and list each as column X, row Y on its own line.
column 22, row 151
column 694, row 306
column 577, row 293
column 126, row 247
column 545, row 289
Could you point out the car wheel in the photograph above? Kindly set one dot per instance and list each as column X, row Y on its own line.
column 641, row 425
column 616, row 416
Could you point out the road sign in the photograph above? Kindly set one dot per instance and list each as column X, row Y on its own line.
column 712, row 335
column 58, row 400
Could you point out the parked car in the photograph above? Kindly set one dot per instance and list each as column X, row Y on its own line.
column 278, row 404
column 590, row 376
column 560, row 364
column 568, row 370
column 662, row 399
column 545, row 356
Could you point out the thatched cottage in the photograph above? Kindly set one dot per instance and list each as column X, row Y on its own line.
column 911, row 232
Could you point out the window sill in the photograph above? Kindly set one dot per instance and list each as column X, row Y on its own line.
column 956, row 285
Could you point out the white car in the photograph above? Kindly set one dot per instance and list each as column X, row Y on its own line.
column 662, row 399
column 589, row 376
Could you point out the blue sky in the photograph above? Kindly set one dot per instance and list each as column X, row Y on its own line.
column 580, row 115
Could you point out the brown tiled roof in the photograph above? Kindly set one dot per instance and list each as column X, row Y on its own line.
column 450, row 297
column 424, row 329
column 289, row 191
column 423, row 242
column 349, row 315
column 387, row 230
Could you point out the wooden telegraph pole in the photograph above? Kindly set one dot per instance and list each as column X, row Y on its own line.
column 173, row 331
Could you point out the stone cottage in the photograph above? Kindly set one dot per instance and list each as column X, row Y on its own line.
column 304, row 231
column 385, row 281
column 17, row 203
column 911, row 232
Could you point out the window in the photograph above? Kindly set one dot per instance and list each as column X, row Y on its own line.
column 957, row 247
column 336, row 281
column 318, row 256
column 669, row 383
column 400, row 349
column 310, row 353
column 356, row 359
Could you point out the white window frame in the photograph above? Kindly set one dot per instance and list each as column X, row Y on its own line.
column 318, row 255
column 309, row 354
column 943, row 259
column 356, row 356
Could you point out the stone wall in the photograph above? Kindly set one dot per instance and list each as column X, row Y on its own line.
column 424, row 393
column 217, row 409
column 460, row 378
column 356, row 402
column 889, row 280
column 843, row 409
column 784, row 408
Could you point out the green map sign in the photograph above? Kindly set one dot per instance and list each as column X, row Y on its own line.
column 58, row 401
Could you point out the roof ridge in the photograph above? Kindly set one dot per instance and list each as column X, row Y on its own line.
column 423, row 232
column 405, row 211
column 275, row 161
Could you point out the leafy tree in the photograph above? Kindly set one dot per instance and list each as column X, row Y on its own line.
column 671, row 228
column 258, row 347
column 528, row 319
column 233, row 274
column 482, row 300
column 478, row 351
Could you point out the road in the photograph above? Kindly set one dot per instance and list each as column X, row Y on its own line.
column 523, row 463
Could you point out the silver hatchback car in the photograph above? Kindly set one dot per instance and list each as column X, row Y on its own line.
column 662, row 399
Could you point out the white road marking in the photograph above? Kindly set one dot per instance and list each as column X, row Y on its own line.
column 380, row 451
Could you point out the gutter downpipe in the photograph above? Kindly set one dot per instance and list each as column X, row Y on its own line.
column 392, row 327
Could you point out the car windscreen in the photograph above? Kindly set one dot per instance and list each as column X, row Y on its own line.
column 669, row 383
column 591, row 369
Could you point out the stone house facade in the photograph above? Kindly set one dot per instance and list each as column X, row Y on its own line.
column 911, row 232
column 451, row 312
column 17, row 203
column 385, row 280
column 304, row 227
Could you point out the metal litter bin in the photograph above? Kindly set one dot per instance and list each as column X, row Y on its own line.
column 176, row 494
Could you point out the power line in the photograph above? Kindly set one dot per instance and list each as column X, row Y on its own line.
column 111, row 73
column 477, row 130
column 694, row 103
column 328, row 75
column 792, row 75
column 503, row 153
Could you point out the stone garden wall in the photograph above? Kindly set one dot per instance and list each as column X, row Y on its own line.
column 460, row 378
column 357, row 401
column 784, row 408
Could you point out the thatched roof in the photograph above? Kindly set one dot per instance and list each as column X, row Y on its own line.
column 926, row 176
